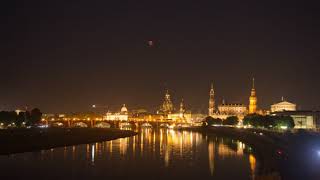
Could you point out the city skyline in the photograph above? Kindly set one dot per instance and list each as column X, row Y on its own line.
column 218, row 100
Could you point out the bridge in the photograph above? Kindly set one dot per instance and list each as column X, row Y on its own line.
column 98, row 123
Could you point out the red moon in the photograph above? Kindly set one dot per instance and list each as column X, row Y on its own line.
column 150, row 43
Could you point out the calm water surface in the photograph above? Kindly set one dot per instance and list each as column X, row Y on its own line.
column 153, row 154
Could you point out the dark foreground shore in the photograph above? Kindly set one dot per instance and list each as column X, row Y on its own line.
column 26, row 140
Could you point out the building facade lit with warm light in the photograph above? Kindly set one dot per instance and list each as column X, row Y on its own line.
column 225, row 110
column 167, row 111
column 302, row 119
column 253, row 100
column 118, row 116
column 283, row 106
column 232, row 109
column 211, row 109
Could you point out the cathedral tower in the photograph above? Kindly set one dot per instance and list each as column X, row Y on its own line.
column 253, row 100
column 211, row 101
column 182, row 109
column 167, row 106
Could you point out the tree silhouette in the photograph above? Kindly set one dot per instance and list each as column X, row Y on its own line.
column 232, row 120
column 35, row 116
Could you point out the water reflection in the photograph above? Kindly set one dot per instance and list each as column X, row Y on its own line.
column 212, row 154
column 226, row 148
column 92, row 153
column 161, row 152
column 253, row 165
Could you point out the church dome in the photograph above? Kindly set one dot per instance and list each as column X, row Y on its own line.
column 124, row 109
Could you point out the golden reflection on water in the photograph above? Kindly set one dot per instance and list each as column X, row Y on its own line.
column 167, row 145
column 253, row 165
column 134, row 147
column 226, row 148
column 110, row 145
column 123, row 145
column 224, row 151
column 159, row 153
column 212, row 153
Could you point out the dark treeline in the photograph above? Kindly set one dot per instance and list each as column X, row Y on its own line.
column 11, row 118
column 269, row 122
column 232, row 120
column 254, row 120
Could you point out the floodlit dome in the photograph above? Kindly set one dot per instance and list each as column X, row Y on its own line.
column 124, row 109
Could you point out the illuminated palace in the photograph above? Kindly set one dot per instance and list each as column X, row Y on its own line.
column 118, row 116
column 168, row 112
column 303, row 119
column 283, row 106
column 232, row 109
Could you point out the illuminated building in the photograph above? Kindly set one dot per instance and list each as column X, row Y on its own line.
column 253, row 100
column 225, row 110
column 167, row 106
column 232, row 109
column 182, row 115
column 167, row 111
column 124, row 109
column 283, row 106
column 182, row 110
column 138, row 112
column 18, row 111
column 302, row 119
column 119, row 116
column 198, row 117
column 177, row 117
column 211, row 102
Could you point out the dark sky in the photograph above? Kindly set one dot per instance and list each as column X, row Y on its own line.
column 66, row 55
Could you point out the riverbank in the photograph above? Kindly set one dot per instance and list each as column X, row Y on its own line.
column 26, row 140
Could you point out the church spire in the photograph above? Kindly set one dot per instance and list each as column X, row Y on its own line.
column 252, row 83
column 211, row 101
column 253, row 99
column 182, row 106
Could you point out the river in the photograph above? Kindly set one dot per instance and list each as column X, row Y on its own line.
column 152, row 154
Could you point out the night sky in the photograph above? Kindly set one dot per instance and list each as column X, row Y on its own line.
column 63, row 56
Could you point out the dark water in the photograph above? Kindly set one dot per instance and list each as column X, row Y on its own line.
column 153, row 154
